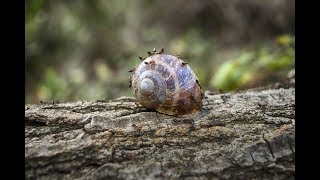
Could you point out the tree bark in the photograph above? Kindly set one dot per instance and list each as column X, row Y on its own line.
column 242, row 135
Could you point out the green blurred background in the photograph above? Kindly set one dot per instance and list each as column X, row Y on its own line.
column 82, row 50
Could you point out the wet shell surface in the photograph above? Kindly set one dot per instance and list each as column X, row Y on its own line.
column 166, row 84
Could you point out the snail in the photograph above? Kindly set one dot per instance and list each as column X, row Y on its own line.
column 166, row 84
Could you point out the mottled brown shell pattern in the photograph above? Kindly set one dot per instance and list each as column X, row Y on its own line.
column 166, row 84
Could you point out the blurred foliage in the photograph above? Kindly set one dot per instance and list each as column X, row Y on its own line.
column 82, row 50
column 254, row 67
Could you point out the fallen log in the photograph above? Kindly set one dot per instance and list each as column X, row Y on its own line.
column 244, row 135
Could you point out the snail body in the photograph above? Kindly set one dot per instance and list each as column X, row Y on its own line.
column 166, row 84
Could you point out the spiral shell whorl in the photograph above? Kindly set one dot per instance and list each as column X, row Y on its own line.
column 150, row 88
column 146, row 87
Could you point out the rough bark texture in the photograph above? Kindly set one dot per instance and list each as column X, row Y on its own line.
column 243, row 135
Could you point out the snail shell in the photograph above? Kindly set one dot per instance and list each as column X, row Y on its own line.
column 166, row 84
